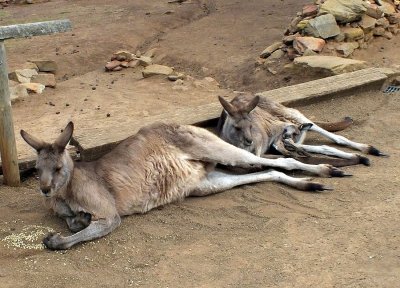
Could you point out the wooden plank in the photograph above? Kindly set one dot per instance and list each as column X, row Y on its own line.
column 316, row 90
column 34, row 29
column 93, row 143
column 8, row 149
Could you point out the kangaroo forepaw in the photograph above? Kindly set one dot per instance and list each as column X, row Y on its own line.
column 54, row 242
column 373, row 151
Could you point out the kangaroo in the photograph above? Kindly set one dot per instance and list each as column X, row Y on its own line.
column 257, row 124
column 162, row 163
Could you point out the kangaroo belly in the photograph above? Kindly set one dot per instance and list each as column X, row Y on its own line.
column 162, row 179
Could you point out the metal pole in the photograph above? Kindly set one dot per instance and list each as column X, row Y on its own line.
column 8, row 149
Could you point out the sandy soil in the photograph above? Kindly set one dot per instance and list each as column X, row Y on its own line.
column 264, row 235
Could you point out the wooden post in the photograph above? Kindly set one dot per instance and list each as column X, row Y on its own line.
column 8, row 150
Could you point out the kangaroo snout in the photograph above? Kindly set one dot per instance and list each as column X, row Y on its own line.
column 248, row 141
column 45, row 191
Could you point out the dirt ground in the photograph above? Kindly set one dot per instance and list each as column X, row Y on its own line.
column 264, row 235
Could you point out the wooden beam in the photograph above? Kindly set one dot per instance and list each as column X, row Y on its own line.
column 8, row 149
column 34, row 29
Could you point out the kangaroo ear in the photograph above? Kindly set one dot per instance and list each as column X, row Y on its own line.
column 34, row 142
column 62, row 140
column 252, row 104
column 227, row 106
column 305, row 126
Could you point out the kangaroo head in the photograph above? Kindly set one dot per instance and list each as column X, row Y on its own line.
column 237, row 129
column 54, row 165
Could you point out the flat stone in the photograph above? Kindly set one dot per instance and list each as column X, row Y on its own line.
column 124, row 64
column 302, row 24
column 323, row 26
column 47, row 79
column 369, row 36
column 118, row 68
column 344, row 10
column 393, row 29
column 22, row 75
column 388, row 35
column 289, row 38
column 34, row 87
column 309, row 52
column 367, row 23
column 347, row 48
column 351, row 34
column 293, row 25
column 328, row 64
column 133, row 63
column 45, row 65
column 156, row 69
column 270, row 49
column 310, row 10
column 312, row 43
column 144, row 60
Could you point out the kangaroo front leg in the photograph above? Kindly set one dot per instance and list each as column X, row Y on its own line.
column 96, row 229
column 218, row 181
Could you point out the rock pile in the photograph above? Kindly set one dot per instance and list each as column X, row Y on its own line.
column 33, row 76
column 125, row 59
column 336, row 28
column 5, row 3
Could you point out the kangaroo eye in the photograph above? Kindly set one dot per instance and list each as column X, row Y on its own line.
column 58, row 168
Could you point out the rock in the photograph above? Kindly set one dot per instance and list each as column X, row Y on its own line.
column 374, row 11
column 30, row 65
column 47, row 79
column 138, row 54
column 35, row 1
column 351, row 34
column 17, row 92
column 144, row 61
column 344, row 10
column 367, row 23
column 383, row 22
column 293, row 25
column 270, row 49
column 277, row 54
column 178, row 76
column 378, row 31
column 122, row 55
column 34, row 87
column 328, row 64
column 302, row 24
column 347, row 48
column 133, row 63
column 292, row 53
column 112, row 64
column 387, row 8
column 312, row 43
column 309, row 10
column 45, row 65
column 369, row 36
column 22, row 75
column 394, row 18
column 124, row 64
column 156, row 69
column 388, row 35
column 323, row 26
column 118, row 68
column 289, row 39
column 309, row 52
column 340, row 37
column 393, row 29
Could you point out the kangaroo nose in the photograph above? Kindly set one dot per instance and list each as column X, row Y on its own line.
column 45, row 191
column 248, row 142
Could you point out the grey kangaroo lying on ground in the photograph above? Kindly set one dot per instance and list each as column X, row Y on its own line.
column 162, row 163
column 258, row 124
